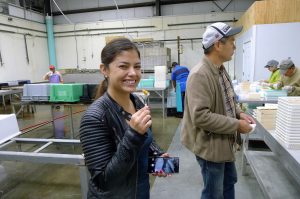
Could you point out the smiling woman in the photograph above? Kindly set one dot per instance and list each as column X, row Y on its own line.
column 115, row 130
column 118, row 54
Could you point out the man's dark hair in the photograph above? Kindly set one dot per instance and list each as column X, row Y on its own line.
column 174, row 64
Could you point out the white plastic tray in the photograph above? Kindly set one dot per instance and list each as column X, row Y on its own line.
column 288, row 123
column 295, row 139
column 287, row 145
column 9, row 127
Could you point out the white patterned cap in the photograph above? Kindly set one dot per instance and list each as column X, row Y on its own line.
column 217, row 31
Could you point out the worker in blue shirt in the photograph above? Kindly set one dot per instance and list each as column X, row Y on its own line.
column 180, row 75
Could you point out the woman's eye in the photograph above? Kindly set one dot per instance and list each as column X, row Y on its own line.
column 123, row 66
column 137, row 67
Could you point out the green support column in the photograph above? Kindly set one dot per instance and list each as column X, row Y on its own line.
column 51, row 41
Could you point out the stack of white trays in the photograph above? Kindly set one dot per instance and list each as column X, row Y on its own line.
column 160, row 76
column 288, row 122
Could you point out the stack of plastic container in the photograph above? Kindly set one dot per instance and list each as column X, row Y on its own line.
column 266, row 116
column 146, row 83
column 274, row 94
column 89, row 92
column 160, row 75
column 288, row 122
column 13, row 83
column 36, row 92
column 242, row 90
column 65, row 92
column 171, row 100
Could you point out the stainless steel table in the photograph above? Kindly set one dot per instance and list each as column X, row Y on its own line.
column 49, row 158
column 261, row 101
column 3, row 93
column 278, row 170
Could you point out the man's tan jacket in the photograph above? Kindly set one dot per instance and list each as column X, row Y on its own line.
column 206, row 130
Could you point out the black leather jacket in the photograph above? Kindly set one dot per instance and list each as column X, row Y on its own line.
column 111, row 149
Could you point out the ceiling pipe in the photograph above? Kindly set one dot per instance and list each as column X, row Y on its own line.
column 181, row 39
column 168, row 2
column 157, row 8
column 222, row 9
column 100, row 29
column 201, row 22
column 95, row 34
column 12, row 26
column 133, row 5
column 47, row 8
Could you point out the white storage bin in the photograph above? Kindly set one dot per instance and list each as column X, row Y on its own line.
column 9, row 127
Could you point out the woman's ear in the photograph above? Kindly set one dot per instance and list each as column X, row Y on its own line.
column 104, row 70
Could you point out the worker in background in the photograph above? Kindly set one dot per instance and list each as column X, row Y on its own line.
column 272, row 66
column 290, row 79
column 180, row 75
column 53, row 76
column 212, row 120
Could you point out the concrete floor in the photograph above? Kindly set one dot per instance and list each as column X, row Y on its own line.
column 188, row 183
column 32, row 180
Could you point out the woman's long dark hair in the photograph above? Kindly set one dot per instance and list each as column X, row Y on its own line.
column 108, row 55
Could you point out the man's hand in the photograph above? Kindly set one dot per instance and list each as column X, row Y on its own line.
column 49, row 73
column 244, row 123
column 265, row 84
column 277, row 85
column 244, row 127
column 289, row 89
column 248, row 118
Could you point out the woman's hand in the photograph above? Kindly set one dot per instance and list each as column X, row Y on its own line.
column 141, row 120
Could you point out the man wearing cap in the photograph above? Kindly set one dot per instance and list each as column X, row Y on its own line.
column 53, row 76
column 212, row 121
column 272, row 66
column 290, row 79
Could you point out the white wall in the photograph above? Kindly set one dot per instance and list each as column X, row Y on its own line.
column 276, row 41
column 239, row 69
column 269, row 41
column 12, row 47
column 83, row 51
column 90, row 45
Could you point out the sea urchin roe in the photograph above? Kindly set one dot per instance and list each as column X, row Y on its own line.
column 145, row 92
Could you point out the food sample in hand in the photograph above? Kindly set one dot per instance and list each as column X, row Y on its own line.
column 146, row 93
